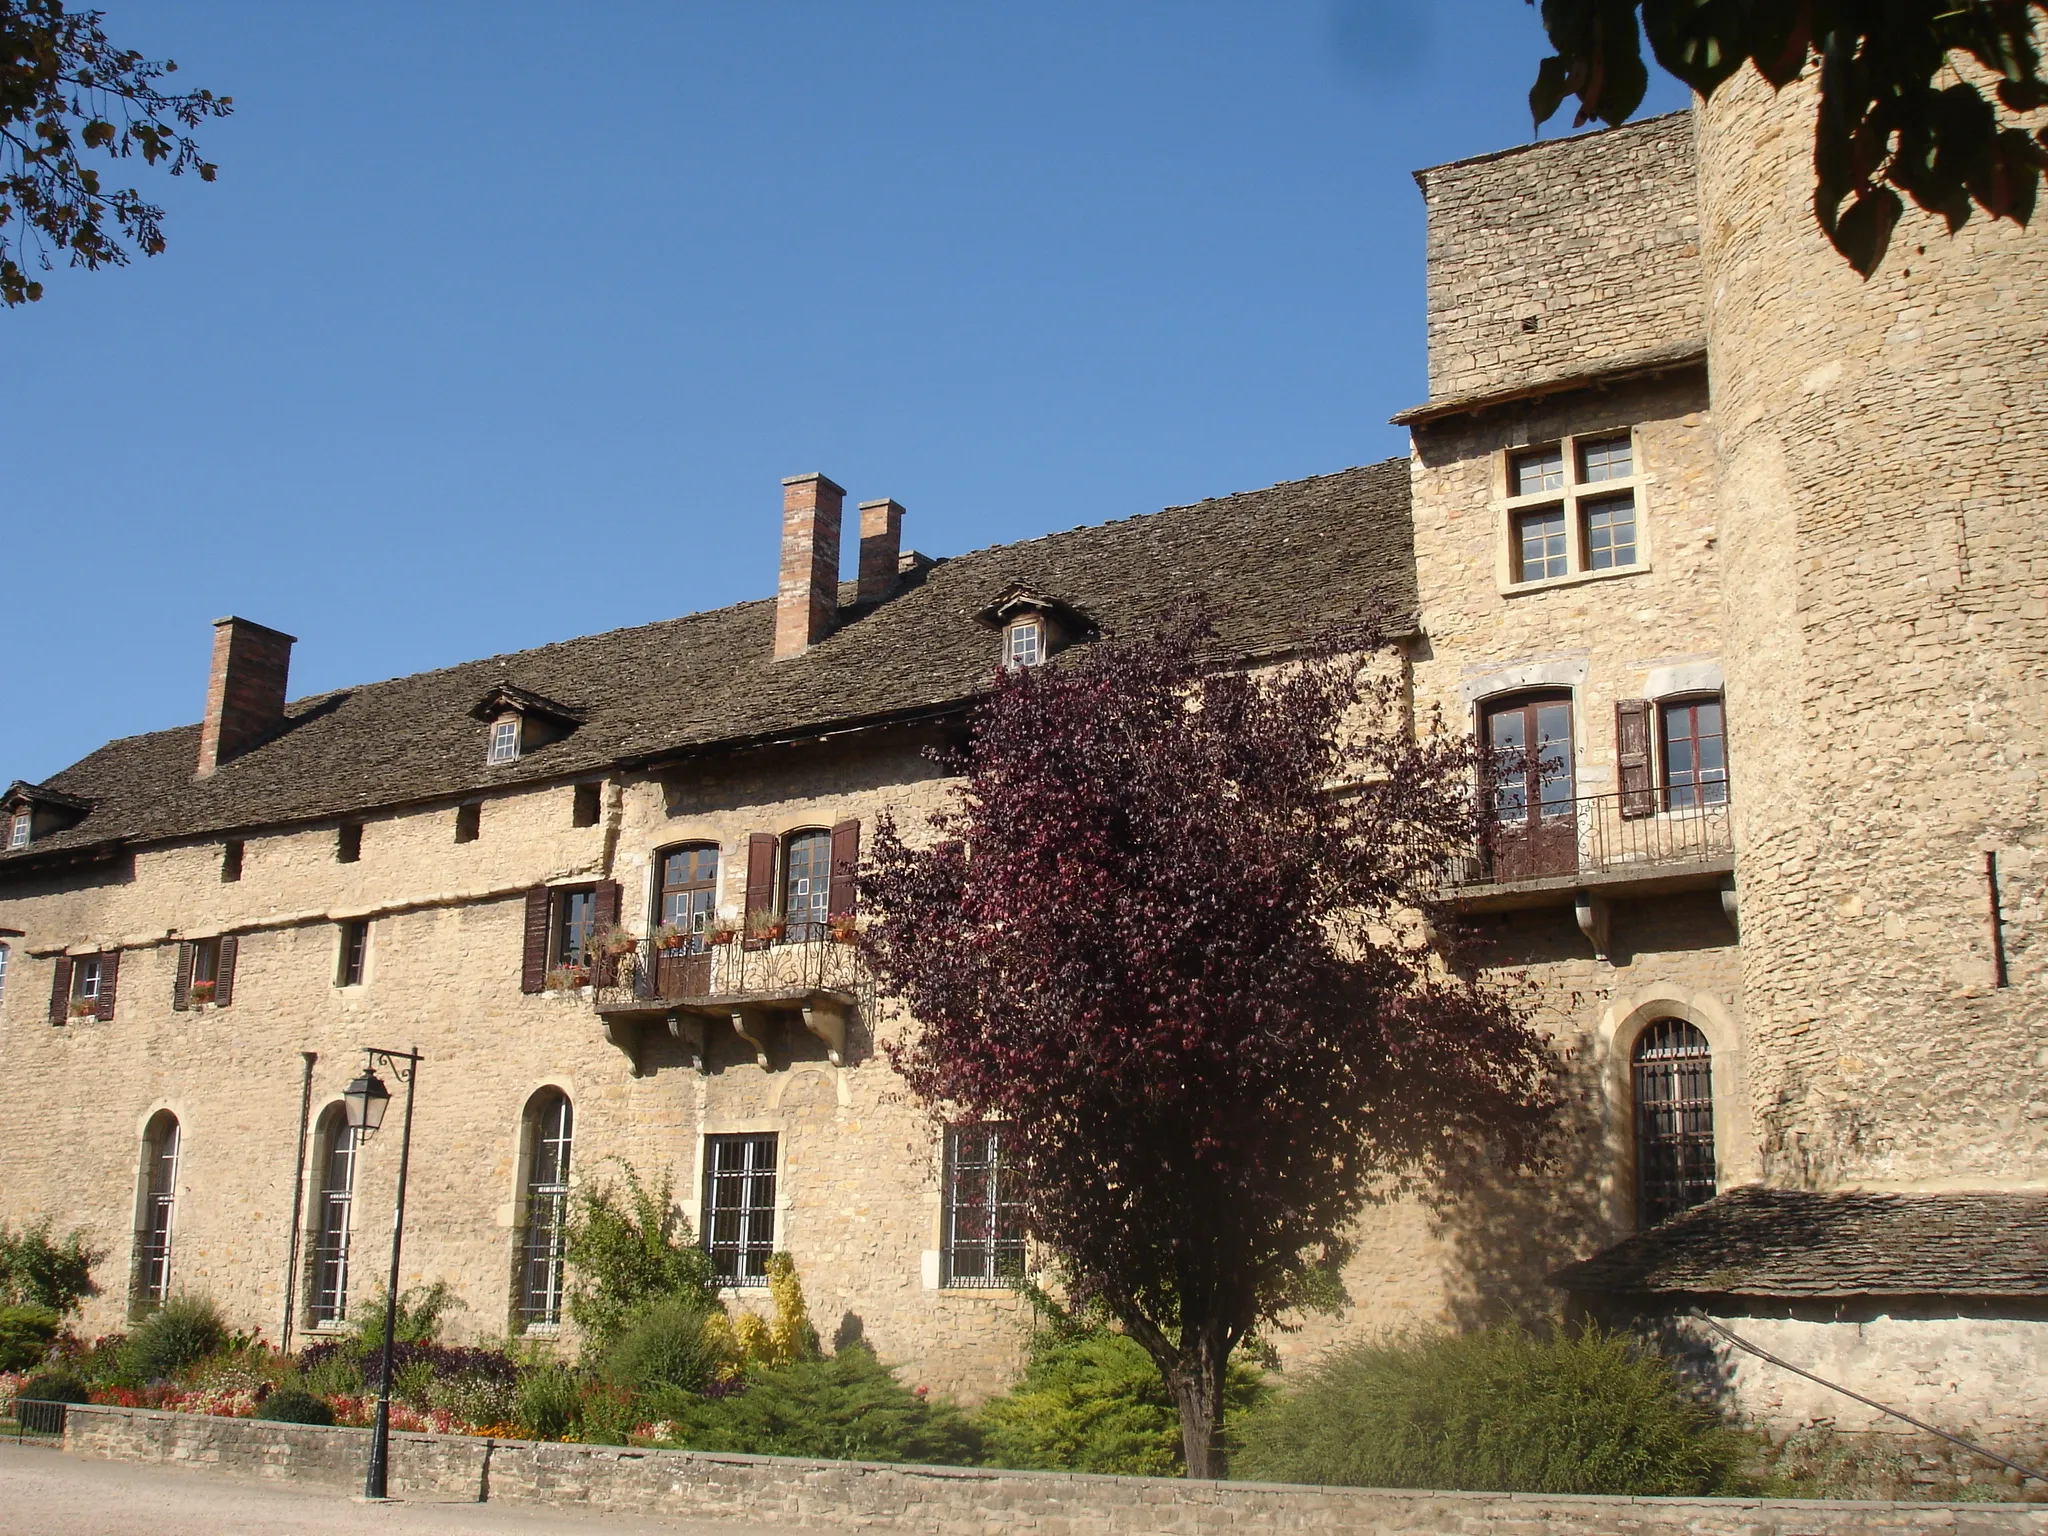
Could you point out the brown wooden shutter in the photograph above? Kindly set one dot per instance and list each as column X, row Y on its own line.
column 110, row 976
column 60, row 990
column 845, row 868
column 181, row 989
column 760, row 885
column 224, row 972
column 604, row 916
column 1632, row 750
column 533, row 973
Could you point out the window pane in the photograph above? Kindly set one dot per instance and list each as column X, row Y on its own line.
column 1610, row 458
column 807, row 888
column 1554, row 755
column 576, row 912
column 1610, row 532
column 1541, row 469
column 1540, row 544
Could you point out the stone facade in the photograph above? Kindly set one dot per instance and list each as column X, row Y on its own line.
column 1835, row 490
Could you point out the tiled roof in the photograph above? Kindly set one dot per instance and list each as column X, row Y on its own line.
column 1277, row 566
column 1779, row 1242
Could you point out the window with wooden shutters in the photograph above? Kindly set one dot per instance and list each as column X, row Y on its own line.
column 1632, row 755
column 845, row 869
column 533, row 969
column 605, row 901
column 110, row 978
column 807, row 885
column 224, row 986
column 1673, row 1072
column 156, row 1198
column 91, row 984
column 327, row 1299
column 760, row 888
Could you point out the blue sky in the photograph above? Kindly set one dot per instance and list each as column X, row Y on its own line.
column 504, row 321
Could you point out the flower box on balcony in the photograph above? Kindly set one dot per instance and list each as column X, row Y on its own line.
column 84, row 1008
column 568, row 978
column 202, row 992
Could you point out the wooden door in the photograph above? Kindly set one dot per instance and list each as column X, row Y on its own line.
column 1535, row 831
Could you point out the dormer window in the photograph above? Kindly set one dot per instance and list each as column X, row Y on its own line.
column 1024, row 642
column 1033, row 626
column 505, row 739
column 18, row 831
column 33, row 811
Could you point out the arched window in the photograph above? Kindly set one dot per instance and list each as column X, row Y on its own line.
column 158, row 1193
column 335, row 1191
column 1673, row 1070
column 550, row 1133
column 807, row 884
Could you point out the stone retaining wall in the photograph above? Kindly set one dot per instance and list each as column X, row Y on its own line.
column 946, row 1500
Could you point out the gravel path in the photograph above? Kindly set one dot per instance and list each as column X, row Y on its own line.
column 46, row 1492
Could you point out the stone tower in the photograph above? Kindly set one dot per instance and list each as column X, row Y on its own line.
column 1883, row 451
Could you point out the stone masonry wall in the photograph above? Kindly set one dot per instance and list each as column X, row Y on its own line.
column 1887, row 644
column 859, row 1186
column 1552, row 259
column 827, row 1495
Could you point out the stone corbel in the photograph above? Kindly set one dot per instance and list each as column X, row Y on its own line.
column 751, row 1025
column 828, row 1022
column 688, row 1029
column 1592, row 913
column 1730, row 908
column 626, row 1036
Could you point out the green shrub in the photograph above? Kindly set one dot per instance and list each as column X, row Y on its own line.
column 420, row 1314
column 1093, row 1401
column 38, row 1272
column 1495, row 1410
column 53, row 1387
column 849, row 1408
column 550, row 1402
column 25, row 1336
column 288, row 1405
column 627, row 1247
column 661, row 1343
column 173, row 1338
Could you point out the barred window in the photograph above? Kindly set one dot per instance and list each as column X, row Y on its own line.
column 984, row 1232
column 739, row 1206
column 550, row 1133
column 337, row 1143
column 158, row 1195
column 1674, row 1091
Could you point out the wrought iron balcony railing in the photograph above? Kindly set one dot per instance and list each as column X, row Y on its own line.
column 1608, row 836
column 737, row 971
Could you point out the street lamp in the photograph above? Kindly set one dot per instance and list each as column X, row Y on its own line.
column 365, row 1101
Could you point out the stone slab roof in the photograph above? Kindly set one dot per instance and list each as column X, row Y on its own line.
column 1754, row 1241
column 1276, row 566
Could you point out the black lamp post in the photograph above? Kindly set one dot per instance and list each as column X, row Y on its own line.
column 366, row 1100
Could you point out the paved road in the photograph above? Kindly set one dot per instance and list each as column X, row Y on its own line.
column 46, row 1493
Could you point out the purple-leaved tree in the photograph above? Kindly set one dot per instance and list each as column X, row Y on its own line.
column 1167, row 937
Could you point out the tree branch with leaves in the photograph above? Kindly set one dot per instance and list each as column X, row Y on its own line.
column 67, row 93
column 1895, row 114
column 1166, row 936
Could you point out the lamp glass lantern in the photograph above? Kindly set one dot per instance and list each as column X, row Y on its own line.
column 365, row 1100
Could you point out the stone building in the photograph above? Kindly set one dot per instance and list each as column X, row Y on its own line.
column 1737, row 552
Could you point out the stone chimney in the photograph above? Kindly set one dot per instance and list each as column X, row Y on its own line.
column 807, row 597
column 881, row 540
column 245, row 694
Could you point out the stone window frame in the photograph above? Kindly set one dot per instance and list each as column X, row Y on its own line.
column 156, row 1209
column 352, row 953
column 1621, row 1025
column 330, row 1215
column 1572, row 496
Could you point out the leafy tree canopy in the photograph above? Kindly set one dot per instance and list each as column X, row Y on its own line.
column 65, row 93
column 1166, row 937
column 1894, row 117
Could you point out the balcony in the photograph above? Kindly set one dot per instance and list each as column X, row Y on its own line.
column 1582, row 851
column 685, row 993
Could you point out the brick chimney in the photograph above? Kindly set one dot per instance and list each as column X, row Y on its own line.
column 881, row 540
column 245, row 694
column 807, row 597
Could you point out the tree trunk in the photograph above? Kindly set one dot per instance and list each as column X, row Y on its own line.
column 1196, row 1384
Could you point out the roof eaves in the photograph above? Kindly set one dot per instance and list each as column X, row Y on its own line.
column 1690, row 353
